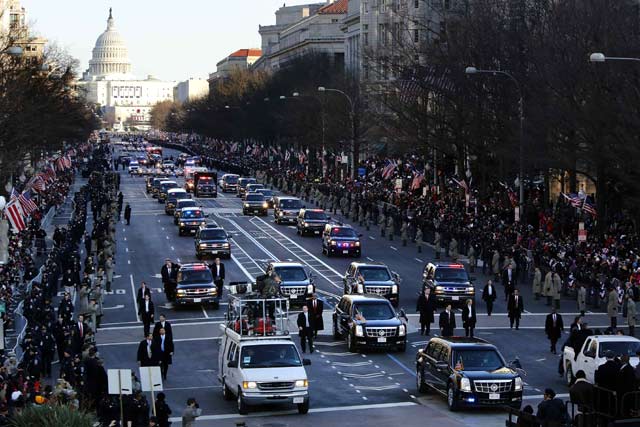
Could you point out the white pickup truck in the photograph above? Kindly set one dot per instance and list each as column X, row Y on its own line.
column 593, row 351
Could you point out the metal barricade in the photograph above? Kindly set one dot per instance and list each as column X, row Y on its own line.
column 630, row 406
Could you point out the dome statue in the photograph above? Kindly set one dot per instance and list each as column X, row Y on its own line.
column 110, row 55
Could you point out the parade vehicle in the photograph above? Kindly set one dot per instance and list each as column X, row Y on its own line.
column 155, row 185
column 212, row 240
column 469, row 372
column 165, row 186
column 254, row 203
column 168, row 164
column 173, row 195
column 242, row 185
column 133, row 167
column 204, row 184
column 449, row 282
column 296, row 284
column 252, row 188
column 268, row 195
column 369, row 322
column 341, row 239
column 180, row 204
column 190, row 220
column 195, row 285
column 154, row 150
column 188, row 176
column 368, row 278
column 593, row 353
column 286, row 209
column 258, row 361
column 311, row 221
column 229, row 182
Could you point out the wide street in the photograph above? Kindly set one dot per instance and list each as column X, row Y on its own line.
column 371, row 385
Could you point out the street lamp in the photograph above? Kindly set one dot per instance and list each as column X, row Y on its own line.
column 354, row 137
column 601, row 57
column 474, row 70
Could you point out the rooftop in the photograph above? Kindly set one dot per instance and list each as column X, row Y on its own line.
column 336, row 8
column 245, row 53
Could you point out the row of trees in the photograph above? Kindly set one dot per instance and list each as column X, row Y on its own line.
column 39, row 108
column 415, row 96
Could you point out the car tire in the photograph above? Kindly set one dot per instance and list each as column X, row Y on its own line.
column 420, row 384
column 303, row 408
column 569, row 376
column 351, row 345
column 336, row 334
column 180, row 233
column 402, row 348
column 452, row 401
column 243, row 409
column 226, row 392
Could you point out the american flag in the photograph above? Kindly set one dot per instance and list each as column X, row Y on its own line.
column 463, row 184
column 388, row 169
column 66, row 160
column 589, row 208
column 15, row 215
column 49, row 174
column 417, row 180
column 38, row 184
column 27, row 204
column 14, row 195
column 574, row 199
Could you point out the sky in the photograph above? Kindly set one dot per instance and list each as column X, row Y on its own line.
column 172, row 40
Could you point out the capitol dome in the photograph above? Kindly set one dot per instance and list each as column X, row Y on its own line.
column 110, row 55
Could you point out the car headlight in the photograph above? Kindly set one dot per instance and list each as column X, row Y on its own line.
column 357, row 244
column 394, row 289
column 265, row 205
column 333, row 243
column 182, row 224
column 309, row 289
column 518, row 384
column 359, row 331
column 465, row 384
column 181, row 291
column 471, row 289
column 402, row 330
column 302, row 383
column 360, row 288
column 225, row 245
column 280, row 213
column 306, row 224
column 203, row 245
column 249, row 384
column 213, row 291
column 439, row 289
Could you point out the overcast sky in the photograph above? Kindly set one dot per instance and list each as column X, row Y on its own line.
column 173, row 40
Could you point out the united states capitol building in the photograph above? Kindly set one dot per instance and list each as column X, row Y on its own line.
column 123, row 100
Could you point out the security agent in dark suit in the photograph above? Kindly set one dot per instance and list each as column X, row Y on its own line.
column 509, row 281
column 553, row 327
column 164, row 350
column 217, row 270
column 147, row 313
column 625, row 383
column 143, row 290
column 581, row 392
column 164, row 324
column 469, row 318
column 515, row 307
column 447, row 322
column 426, row 306
column 169, row 273
column 551, row 411
column 147, row 352
column 306, row 329
column 316, row 307
column 489, row 296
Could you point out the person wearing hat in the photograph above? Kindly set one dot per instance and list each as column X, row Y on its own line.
column 551, row 411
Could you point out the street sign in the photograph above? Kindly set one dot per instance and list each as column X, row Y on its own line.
column 362, row 171
column 119, row 381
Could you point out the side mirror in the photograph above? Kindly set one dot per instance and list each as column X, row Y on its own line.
column 229, row 236
column 306, row 362
column 360, row 235
column 404, row 315
column 515, row 364
column 231, row 364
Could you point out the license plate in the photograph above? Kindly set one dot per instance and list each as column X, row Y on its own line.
column 316, row 232
column 494, row 396
column 293, row 296
column 345, row 252
column 455, row 298
column 197, row 300
column 382, row 340
column 298, row 400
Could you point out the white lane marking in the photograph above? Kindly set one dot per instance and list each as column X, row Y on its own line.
column 125, row 239
column 178, row 259
column 162, row 228
column 172, row 248
column 392, row 248
column 133, row 295
column 372, row 238
column 419, row 260
column 540, row 360
column 129, row 261
column 126, row 249
column 204, row 312
column 167, row 237
column 210, row 321
column 370, row 259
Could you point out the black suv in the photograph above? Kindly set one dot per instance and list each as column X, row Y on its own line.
column 195, row 285
column 373, row 279
column 254, row 203
column 449, row 282
column 469, row 372
column 369, row 322
column 311, row 221
column 295, row 283
column 212, row 240
column 190, row 220
column 338, row 239
column 286, row 209
column 242, row 185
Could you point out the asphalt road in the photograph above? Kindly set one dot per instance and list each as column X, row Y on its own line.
column 374, row 387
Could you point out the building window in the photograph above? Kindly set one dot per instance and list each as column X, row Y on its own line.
column 365, row 27
column 447, row 4
column 365, row 6
column 416, row 4
column 334, row 21
column 365, row 39
column 416, row 35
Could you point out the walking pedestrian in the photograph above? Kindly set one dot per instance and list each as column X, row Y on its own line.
column 127, row 214
column 190, row 413
column 447, row 322
column 581, row 296
column 146, row 354
column 489, row 296
column 553, row 327
column 469, row 318
column 163, row 411
column 551, row 411
column 390, row 228
column 557, row 289
column 471, row 254
column 164, row 350
column 404, row 235
column 515, row 307
column 419, row 239
column 509, row 280
column 453, row 249
column 426, row 306
column 316, row 307
column 537, row 283
column 147, row 313
column 495, row 265
column 612, row 307
column 306, row 329
column 631, row 314
column 437, row 242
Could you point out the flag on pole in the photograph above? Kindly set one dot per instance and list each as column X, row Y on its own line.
column 37, row 183
column 417, row 180
column 574, row 199
column 388, row 169
column 27, row 203
column 15, row 216
column 14, row 195
column 462, row 184
column 66, row 161
column 589, row 208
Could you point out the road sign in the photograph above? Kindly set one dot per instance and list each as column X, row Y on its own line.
column 119, row 381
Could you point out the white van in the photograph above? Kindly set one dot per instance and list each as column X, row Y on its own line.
column 134, row 166
column 258, row 361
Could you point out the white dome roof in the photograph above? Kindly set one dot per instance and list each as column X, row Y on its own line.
column 110, row 54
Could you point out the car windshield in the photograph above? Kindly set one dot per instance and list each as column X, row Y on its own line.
column 213, row 234
column 271, row 355
column 255, row 198
column 317, row 215
column 374, row 274
column 619, row 348
column 343, row 232
column 265, row 193
column 246, row 181
column 290, row 204
column 291, row 274
column 254, row 187
column 205, row 179
column 451, row 274
column 192, row 214
column 477, row 360
column 374, row 310
column 167, row 186
column 189, row 277
column 178, row 195
column 231, row 179
column 189, row 204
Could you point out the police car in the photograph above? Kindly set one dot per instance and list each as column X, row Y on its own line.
column 341, row 239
